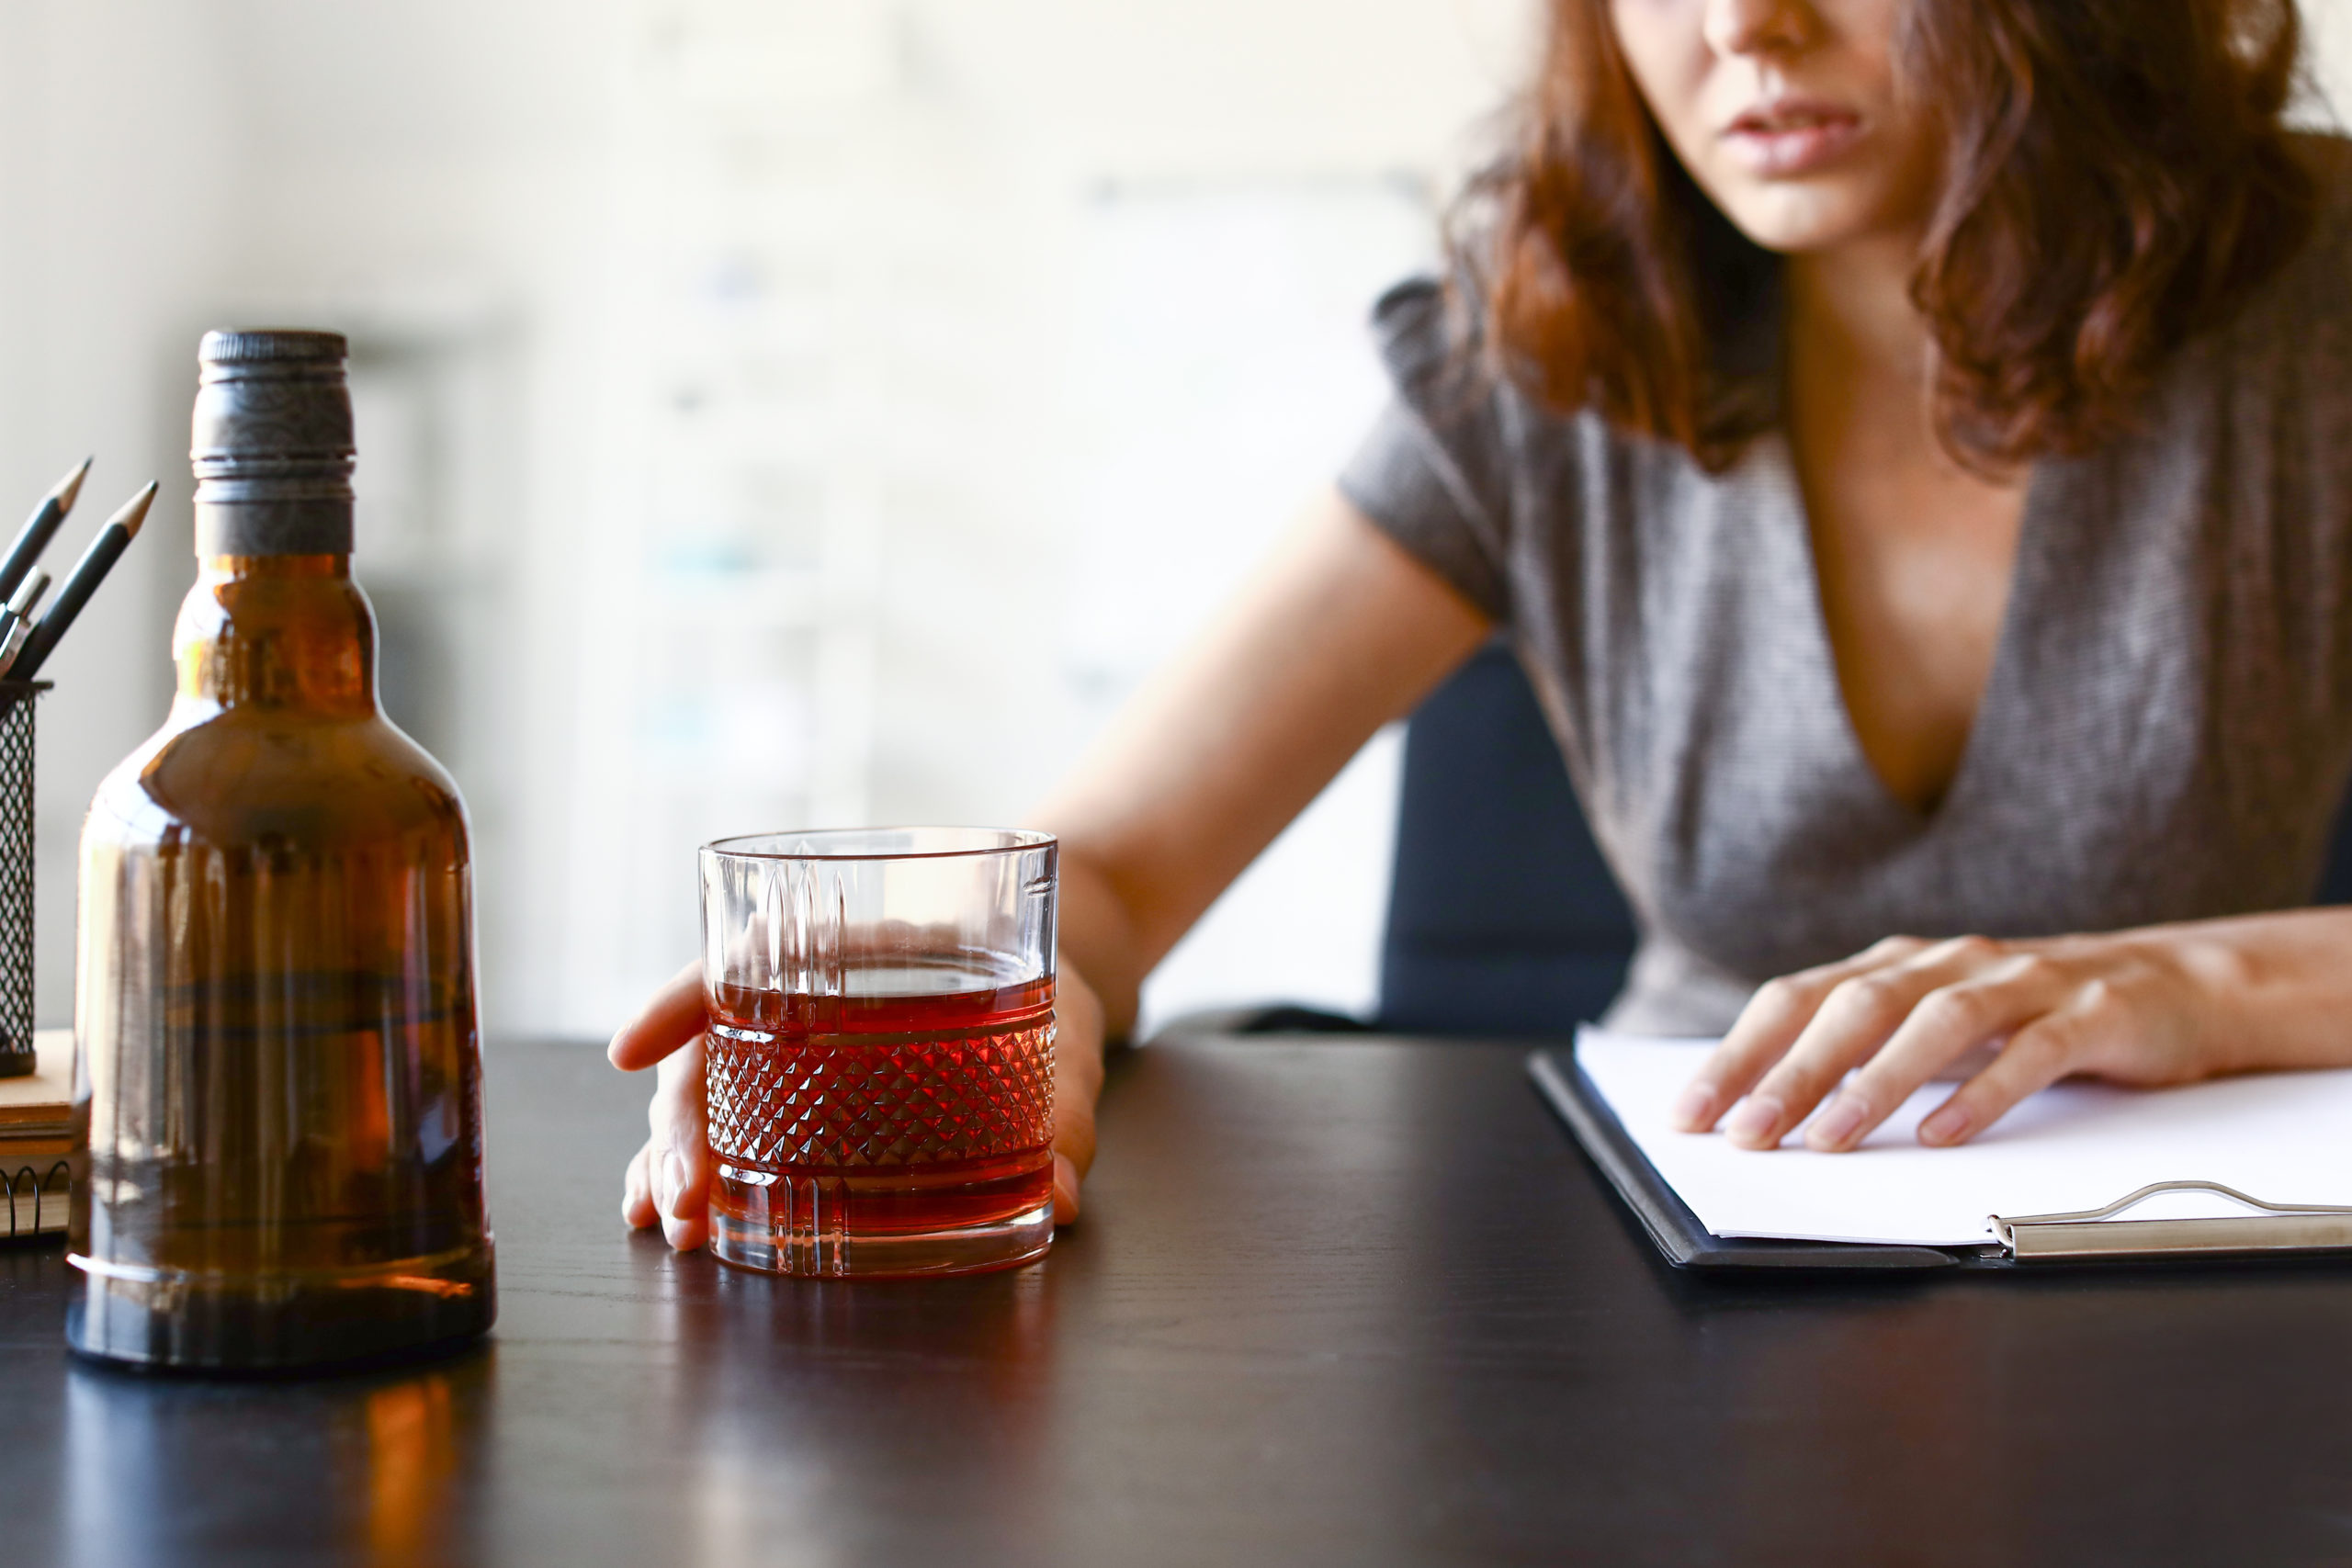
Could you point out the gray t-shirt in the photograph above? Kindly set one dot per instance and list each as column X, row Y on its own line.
column 2167, row 728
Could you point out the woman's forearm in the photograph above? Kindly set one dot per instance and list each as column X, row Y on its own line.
column 1340, row 632
column 2276, row 988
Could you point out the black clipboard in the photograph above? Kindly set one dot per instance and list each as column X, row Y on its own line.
column 2275, row 1231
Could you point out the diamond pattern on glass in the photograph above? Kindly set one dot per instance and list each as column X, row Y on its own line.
column 962, row 1097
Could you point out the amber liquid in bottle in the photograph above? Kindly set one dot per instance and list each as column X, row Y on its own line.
column 280, row 1063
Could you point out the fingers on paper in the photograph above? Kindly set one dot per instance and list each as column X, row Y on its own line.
column 670, row 1018
column 1892, row 1027
column 1775, row 1019
column 2001, row 1003
column 2035, row 1057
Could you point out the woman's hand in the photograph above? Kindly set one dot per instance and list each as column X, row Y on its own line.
column 2135, row 1007
column 669, row 1179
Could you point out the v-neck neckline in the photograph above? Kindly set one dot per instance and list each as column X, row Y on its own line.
column 1991, row 701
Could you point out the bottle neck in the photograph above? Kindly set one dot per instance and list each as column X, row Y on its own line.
column 282, row 632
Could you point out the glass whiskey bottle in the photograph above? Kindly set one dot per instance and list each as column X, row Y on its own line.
column 279, row 1061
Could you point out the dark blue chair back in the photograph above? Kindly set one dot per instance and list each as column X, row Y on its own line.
column 1504, row 919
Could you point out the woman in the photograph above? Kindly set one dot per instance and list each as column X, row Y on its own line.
column 1910, row 447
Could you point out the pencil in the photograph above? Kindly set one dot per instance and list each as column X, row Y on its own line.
column 39, row 528
column 88, row 572
column 17, row 619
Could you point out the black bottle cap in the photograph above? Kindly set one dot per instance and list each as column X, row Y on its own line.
column 272, row 346
column 271, row 444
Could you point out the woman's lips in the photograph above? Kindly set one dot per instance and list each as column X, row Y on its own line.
column 1788, row 138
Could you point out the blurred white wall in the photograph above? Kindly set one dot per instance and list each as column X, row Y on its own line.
column 427, row 174
column 973, row 353
column 109, row 236
column 739, row 441
column 771, row 412
column 2330, row 22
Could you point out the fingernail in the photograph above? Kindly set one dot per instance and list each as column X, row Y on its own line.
column 1695, row 1110
column 1754, row 1120
column 674, row 1184
column 1837, row 1124
column 1065, row 1186
column 1947, row 1125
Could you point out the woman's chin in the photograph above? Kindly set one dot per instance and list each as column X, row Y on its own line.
column 1810, row 216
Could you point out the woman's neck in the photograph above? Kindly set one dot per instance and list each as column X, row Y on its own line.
column 1913, row 553
column 1849, row 314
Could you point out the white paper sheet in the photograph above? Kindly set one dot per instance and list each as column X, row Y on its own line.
column 2284, row 1137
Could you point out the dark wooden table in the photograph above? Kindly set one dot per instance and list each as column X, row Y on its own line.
column 1348, row 1303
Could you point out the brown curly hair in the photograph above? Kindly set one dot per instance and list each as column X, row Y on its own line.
column 2116, row 173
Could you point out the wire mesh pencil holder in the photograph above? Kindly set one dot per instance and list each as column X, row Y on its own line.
column 18, row 700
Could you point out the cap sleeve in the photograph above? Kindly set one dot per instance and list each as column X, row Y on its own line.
column 1430, row 474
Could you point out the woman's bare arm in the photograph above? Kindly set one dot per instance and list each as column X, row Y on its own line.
column 1339, row 633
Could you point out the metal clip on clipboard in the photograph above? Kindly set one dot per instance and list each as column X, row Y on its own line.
column 2097, row 1232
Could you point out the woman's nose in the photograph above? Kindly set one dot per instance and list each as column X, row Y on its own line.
column 1758, row 26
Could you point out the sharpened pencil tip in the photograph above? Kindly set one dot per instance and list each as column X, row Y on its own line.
column 134, row 511
column 69, row 489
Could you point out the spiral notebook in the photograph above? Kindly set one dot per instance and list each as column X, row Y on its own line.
column 2081, row 1170
column 37, row 1145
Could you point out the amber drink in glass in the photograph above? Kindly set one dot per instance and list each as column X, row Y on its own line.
column 280, row 1069
column 881, row 1055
